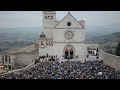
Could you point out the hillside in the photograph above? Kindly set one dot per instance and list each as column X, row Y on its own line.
column 11, row 38
column 96, row 31
column 107, row 42
column 19, row 34
column 114, row 37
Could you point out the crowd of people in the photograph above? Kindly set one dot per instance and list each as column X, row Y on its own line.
column 66, row 70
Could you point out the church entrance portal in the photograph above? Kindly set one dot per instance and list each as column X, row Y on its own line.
column 66, row 53
column 69, row 52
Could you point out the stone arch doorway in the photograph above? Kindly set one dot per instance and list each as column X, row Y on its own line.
column 69, row 52
column 66, row 52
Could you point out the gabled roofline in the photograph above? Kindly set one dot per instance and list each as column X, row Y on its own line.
column 66, row 16
column 60, row 21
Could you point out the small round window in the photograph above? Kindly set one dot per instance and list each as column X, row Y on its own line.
column 69, row 23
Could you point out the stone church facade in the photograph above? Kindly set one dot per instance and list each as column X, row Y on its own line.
column 65, row 38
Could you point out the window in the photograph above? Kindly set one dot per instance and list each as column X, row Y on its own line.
column 51, row 17
column 48, row 17
column 42, row 43
column 9, row 60
column 45, row 17
column 69, row 23
column 5, row 58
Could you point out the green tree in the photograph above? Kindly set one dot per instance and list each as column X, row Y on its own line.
column 118, row 50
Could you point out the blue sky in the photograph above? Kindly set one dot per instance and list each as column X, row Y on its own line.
column 13, row 19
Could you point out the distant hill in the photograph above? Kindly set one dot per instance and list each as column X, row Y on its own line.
column 95, row 31
column 11, row 38
column 107, row 42
column 19, row 34
column 114, row 37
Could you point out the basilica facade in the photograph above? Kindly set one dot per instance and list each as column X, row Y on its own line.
column 65, row 38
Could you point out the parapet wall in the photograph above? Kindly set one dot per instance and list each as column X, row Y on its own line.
column 22, row 69
column 111, row 60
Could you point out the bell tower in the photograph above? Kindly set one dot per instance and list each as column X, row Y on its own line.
column 48, row 19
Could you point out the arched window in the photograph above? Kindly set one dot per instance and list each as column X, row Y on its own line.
column 42, row 43
column 51, row 17
column 66, row 52
column 9, row 60
column 45, row 17
column 5, row 58
column 71, row 52
column 2, row 58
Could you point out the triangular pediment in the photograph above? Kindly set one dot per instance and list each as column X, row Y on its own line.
column 69, row 18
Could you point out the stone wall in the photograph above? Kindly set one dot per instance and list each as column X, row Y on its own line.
column 59, row 35
column 9, row 62
column 111, row 60
column 23, row 60
column 47, row 50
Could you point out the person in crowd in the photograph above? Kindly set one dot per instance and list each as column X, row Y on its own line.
column 76, row 56
column 66, row 70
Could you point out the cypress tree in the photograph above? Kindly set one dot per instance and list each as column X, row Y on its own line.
column 118, row 50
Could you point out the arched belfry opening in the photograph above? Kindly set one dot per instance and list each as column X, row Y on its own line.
column 69, row 52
